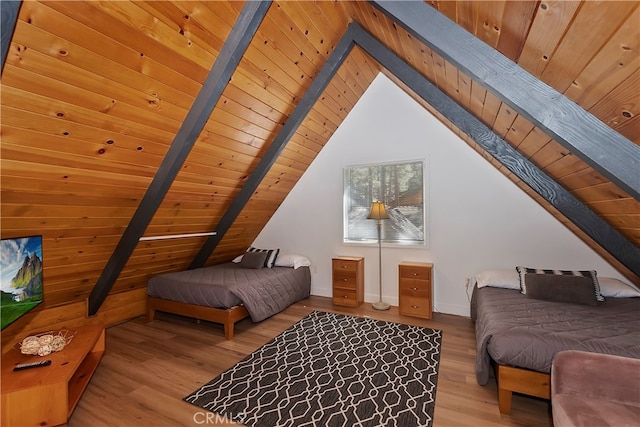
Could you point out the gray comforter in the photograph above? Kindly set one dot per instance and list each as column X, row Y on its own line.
column 264, row 291
column 515, row 330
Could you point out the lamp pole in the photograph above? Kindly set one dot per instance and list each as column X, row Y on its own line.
column 380, row 305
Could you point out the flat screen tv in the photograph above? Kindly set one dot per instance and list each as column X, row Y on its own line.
column 20, row 277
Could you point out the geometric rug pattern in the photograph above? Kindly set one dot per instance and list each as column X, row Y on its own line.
column 331, row 369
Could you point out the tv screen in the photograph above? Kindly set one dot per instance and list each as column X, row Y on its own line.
column 20, row 277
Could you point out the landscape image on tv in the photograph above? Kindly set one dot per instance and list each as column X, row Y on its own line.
column 20, row 277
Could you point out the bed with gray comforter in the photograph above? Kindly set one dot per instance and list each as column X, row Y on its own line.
column 264, row 291
column 526, row 333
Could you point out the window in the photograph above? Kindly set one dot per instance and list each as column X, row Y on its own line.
column 400, row 186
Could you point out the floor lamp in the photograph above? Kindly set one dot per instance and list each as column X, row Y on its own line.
column 378, row 212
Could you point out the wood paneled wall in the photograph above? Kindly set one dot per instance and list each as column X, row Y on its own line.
column 93, row 94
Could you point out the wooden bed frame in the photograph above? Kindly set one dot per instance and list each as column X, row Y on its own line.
column 520, row 380
column 228, row 317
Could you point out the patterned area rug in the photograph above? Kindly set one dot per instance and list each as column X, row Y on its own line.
column 332, row 370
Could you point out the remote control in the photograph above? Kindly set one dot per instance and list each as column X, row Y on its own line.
column 21, row 366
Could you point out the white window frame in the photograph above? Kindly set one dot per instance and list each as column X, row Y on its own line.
column 359, row 230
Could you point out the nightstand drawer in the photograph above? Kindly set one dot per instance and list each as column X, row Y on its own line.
column 412, row 306
column 415, row 288
column 342, row 279
column 341, row 264
column 415, row 272
column 346, row 297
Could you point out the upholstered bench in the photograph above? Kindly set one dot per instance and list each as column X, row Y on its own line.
column 592, row 389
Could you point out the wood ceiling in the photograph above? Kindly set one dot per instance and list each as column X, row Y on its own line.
column 94, row 93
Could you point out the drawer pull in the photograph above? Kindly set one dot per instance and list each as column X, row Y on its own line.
column 345, row 280
column 344, row 266
column 414, row 289
column 415, row 306
column 345, row 296
column 414, row 274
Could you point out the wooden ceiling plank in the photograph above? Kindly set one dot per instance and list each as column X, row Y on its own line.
column 614, row 63
column 518, row 131
column 631, row 129
column 622, row 103
column 363, row 68
column 66, row 28
column 194, row 21
column 466, row 16
column 593, row 25
column 295, row 11
column 582, row 177
column 30, row 102
column 277, row 67
column 440, row 68
column 551, row 21
column 488, row 23
column 335, row 14
column 464, row 89
column 516, row 24
column 41, row 65
column 598, row 229
column 306, row 103
column 627, row 205
column 601, row 192
column 490, row 108
column 452, row 81
column 224, row 66
column 89, row 14
column 80, row 141
column 352, row 77
column 154, row 28
column 43, row 151
column 101, row 67
column 567, row 165
column 233, row 107
column 583, row 134
column 504, row 121
column 371, row 65
column 548, row 154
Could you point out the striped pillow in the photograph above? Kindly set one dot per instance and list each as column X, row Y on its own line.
column 272, row 254
column 522, row 271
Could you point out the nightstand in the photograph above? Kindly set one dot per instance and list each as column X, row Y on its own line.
column 415, row 289
column 348, row 281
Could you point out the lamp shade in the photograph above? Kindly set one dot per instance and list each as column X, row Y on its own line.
column 378, row 211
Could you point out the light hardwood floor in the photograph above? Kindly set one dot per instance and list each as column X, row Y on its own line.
column 149, row 368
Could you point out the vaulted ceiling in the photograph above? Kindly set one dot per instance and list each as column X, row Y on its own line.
column 94, row 94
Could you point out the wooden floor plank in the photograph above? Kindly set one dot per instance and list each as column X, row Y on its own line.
column 149, row 368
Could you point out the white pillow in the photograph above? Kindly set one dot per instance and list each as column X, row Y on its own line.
column 614, row 288
column 501, row 278
column 237, row 259
column 292, row 260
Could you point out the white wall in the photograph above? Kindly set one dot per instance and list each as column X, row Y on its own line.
column 477, row 218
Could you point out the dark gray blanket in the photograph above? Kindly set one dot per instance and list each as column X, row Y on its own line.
column 515, row 330
column 264, row 291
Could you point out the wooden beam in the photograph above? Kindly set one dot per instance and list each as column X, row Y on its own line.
column 570, row 125
column 227, row 61
column 589, row 222
column 302, row 109
column 8, row 16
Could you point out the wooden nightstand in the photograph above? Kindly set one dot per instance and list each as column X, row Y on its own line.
column 415, row 287
column 348, row 281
